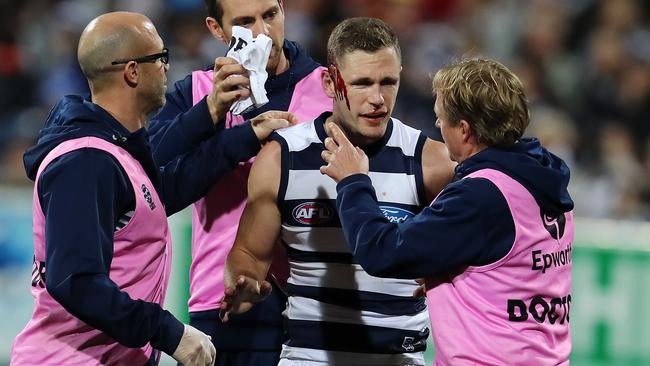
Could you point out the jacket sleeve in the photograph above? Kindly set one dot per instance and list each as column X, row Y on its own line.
column 188, row 177
column 180, row 126
column 468, row 224
column 82, row 194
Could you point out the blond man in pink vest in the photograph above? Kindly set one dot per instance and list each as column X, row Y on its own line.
column 495, row 245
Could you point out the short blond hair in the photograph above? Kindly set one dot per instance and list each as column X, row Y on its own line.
column 487, row 95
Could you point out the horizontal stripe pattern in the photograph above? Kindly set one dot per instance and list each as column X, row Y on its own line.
column 354, row 338
column 334, row 306
column 361, row 300
column 303, row 184
column 298, row 256
column 318, row 239
column 352, row 358
column 308, row 157
column 301, row 136
column 302, row 308
column 347, row 277
column 392, row 160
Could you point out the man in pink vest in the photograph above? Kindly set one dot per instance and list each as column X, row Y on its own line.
column 102, row 251
column 197, row 106
column 495, row 245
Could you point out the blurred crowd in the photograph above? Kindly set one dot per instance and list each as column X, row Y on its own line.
column 585, row 64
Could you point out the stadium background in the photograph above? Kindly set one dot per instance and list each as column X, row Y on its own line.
column 585, row 64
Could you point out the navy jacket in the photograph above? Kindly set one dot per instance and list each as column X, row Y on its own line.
column 85, row 178
column 469, row 224
column 180, row 124
column 265, row 318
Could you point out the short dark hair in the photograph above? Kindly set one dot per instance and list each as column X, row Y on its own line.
column 365, row 34
column 214, row 9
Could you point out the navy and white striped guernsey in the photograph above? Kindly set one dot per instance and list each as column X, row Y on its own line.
column 336, row 312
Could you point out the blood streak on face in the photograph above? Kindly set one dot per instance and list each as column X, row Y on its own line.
column 339, row 84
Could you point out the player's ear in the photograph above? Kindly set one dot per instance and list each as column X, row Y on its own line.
column 467, row 130
column 215, row 29
column 328, row 83
column 130, row 73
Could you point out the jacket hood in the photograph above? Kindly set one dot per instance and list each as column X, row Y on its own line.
column 72, row 117
column 300, row 65
column 544, row 175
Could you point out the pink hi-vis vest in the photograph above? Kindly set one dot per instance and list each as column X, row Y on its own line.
column 140, row 267
column 215, row 217
column 514, row 311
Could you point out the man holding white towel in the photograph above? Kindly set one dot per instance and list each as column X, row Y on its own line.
column 202, row 101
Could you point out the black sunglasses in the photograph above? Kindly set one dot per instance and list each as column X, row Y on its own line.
column 163, row 56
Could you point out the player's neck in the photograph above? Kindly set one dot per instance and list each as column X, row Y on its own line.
column 283, row 65
column 355, row 138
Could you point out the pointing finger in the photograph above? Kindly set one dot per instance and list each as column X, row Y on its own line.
column 337, row 134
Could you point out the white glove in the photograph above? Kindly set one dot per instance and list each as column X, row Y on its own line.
column 195, row 348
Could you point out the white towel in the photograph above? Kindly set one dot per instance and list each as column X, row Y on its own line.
column 253, row 54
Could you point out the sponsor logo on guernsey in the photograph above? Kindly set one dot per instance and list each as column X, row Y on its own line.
column 396, row 214
column 554, row 224
column 407, row 345
column 545, row 260
column 313, row 213
column 555, row 310
column 147, row 197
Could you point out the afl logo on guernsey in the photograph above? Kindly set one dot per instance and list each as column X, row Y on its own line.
column 395, row 214
column 313, row 213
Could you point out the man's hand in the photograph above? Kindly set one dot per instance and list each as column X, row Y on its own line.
column 230, row 83
column 241, row 297
column 270, row 121
column 343, row 159
column 195, row 348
